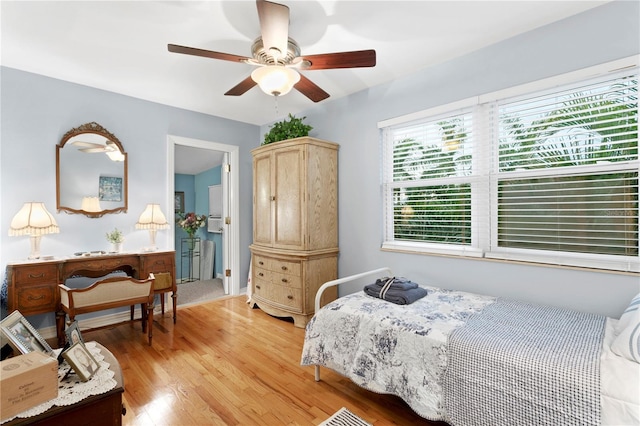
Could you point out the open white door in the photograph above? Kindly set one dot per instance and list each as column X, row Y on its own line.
column 226, row 222
column 230, row 187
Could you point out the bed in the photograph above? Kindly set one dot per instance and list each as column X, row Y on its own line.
column 471, row 359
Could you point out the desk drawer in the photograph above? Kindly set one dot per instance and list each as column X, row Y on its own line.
column 159, row 263
column 36, row 274
column 37, row 298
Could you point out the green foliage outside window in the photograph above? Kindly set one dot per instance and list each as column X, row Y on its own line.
column 586, row 129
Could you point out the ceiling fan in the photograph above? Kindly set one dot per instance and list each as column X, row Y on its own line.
column 91, row 147
column 109, row 148
column 278, row 57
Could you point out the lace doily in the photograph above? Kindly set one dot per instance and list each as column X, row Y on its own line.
column 71, row 389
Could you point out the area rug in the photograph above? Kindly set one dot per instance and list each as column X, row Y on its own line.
column 344, row 417
column 199, row 291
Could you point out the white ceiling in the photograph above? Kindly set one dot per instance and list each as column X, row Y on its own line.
column 121, row 46
column 191, row 161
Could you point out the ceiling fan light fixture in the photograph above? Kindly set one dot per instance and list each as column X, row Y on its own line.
column 275, row 80
column 115, row 155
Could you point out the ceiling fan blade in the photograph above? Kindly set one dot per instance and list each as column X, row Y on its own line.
column 83, row 144
column 206, row 53
column 354, row 59
column 274, row 27
column 242, row 87
column 310, row 89
column 93, row 150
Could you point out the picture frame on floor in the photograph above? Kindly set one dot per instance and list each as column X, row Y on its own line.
column 73, row 333
column 22, row 336
column 81, row 361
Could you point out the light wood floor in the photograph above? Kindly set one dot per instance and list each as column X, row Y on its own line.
column 224, row 363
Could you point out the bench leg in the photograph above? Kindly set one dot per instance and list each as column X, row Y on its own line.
column 143, row 309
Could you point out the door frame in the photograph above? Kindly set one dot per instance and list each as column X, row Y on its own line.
column 231, row 232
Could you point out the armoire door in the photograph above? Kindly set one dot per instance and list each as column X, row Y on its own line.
column 289, row 183
column 262, row 200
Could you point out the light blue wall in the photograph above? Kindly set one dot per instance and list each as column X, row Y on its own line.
column 196, row 189
column 202, row 182
column 37, row 111
column 600, row 35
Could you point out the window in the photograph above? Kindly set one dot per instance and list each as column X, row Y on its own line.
column 546, row 176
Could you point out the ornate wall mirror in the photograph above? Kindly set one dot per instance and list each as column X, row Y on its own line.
column 91, row 172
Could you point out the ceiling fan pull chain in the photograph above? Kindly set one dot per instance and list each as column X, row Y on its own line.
column 275, row 99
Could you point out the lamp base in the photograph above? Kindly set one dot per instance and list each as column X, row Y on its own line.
column 152, row 236
column 35, row 247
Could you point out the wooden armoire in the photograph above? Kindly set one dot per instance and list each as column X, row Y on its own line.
column 295, row 226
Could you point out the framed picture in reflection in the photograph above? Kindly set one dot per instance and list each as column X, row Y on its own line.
column 179, row 202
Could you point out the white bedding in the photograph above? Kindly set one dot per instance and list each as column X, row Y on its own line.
column 401, row 350
column 373, row 342
column 619, row 384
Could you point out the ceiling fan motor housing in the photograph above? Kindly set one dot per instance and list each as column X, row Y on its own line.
column 263, row 56
column 276, row 74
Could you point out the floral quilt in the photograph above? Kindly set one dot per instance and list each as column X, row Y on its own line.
column 388, row 348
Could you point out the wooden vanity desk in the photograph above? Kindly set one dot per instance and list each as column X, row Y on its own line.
column 33, row 284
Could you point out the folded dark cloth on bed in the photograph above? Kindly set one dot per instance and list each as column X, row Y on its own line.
column 400, row 291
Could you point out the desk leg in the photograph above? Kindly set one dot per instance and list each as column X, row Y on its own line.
column 150, row 321
column 174, row 297
column 60, row 317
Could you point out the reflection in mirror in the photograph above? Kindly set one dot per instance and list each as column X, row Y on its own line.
column 91, row 172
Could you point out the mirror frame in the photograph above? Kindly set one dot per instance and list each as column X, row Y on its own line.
column 97, row 129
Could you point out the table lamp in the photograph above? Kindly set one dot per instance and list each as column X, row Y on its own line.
column 34, row 220
column 152, row 219
column 91, row 204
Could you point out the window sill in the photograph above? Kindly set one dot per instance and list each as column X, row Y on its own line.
column 626, row 265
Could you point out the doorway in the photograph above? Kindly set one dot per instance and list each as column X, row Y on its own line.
column 230, row 204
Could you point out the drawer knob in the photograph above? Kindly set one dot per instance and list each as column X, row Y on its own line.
column 258, row 287
column 260, row 274
column 261, row 263
column 284, row 280
column 290, row 297
column 284, row 268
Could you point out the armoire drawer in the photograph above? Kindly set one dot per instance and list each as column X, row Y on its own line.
column 277, row 265
column 271, row 277
column 278, row 295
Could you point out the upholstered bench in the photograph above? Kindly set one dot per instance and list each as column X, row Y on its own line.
column 110, row 293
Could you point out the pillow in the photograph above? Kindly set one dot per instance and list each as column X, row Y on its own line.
column 627, row 344
column 627, row 315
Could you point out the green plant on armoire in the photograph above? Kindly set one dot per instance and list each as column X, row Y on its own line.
column 287, row 129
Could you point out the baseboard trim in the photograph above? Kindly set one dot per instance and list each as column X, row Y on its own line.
column 105, row 320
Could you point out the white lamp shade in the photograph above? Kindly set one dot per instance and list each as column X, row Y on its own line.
column 33, row 219
column 152, row 218
column 91, row 204
column 275, row 80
